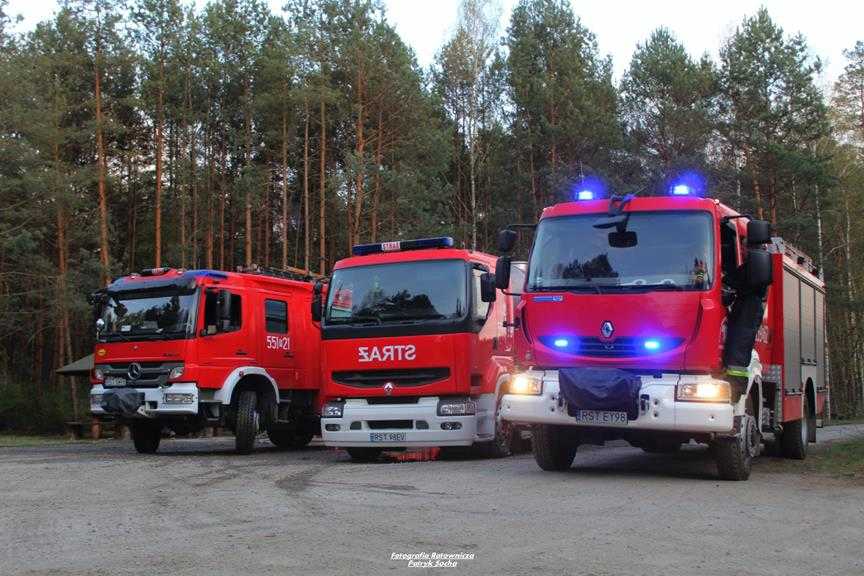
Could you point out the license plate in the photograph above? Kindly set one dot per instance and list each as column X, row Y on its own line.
column 601, row 418
column 386, row 436
column 114, row 381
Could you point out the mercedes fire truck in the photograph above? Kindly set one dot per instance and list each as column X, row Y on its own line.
column 185, row 349
column 661, row 320
column 416, row 347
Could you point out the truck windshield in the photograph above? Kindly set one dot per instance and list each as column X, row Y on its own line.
column 397, row 293
column 149, row 315
column 646, row 251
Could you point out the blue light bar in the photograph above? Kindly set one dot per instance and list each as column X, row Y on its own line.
column 585, row 195
column 561, row 343
column 681, row 190
column 402, row 245
column 589, row 188
column 687, row 183
column 651, row 344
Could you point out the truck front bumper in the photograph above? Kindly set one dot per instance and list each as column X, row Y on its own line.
column 178, row 399
column 658, row 408
column 414, row 425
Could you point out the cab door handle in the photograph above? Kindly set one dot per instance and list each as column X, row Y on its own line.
column 241, row 352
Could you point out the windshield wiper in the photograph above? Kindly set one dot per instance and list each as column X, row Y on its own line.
column 410, row 318
column 358, row 320
column 588, row 287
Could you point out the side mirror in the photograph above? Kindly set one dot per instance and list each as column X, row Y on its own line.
column 487, row 287
column 758, row 232
column 759, row 271
column 506, row 240
column 224, row 300
column 625, row 239
column 316, row 309
column 502, row 273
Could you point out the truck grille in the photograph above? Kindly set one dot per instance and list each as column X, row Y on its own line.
column 624, row 347
column 153, row 374
column 378, row 378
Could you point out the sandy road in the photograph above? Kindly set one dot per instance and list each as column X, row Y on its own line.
column 196, row 508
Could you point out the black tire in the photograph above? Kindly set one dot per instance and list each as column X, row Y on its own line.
column 288, row 439
column 502, row 445
column 793, row 440
column 246, row 428
column 364, row 454
column 146, row 436
column 554, row 447
column 734, row 456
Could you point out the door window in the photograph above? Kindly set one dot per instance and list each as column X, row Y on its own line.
column 276, row 316
column 480, row 309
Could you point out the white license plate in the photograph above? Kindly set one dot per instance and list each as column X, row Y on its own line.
column 601, row 418
column 386, row 436
column 113, row 381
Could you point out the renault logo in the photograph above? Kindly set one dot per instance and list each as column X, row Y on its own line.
column 134, row 371
column 607, row 329
column 388, row 388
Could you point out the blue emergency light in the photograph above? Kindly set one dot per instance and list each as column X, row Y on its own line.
column 402, row 245
column 687, row 184
column 589, row 188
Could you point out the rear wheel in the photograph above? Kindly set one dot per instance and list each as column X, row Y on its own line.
column 288, row 439
column 734, row 456
column 364, row 454
column 246, row 429
column 146, row 436
column 554, row 447
column 796, row 434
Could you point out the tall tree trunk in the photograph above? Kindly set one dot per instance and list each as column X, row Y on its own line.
column 306, row 223
column 376, row 199
column 322, row 236
column 248, row 164
column 285, row 210
column 359, row 178
column 157, row 217
column 102, row 166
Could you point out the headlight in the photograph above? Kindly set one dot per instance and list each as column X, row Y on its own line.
column 526, row 385
column 708, row 391
column 175, row 373
column 456, row 407
column 98, row 374
column 96, row 399
column 179, row 398
column 332, row 410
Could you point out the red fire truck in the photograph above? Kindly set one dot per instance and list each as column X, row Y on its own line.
column 416, row 347
column 185, row 349
column 628, row 309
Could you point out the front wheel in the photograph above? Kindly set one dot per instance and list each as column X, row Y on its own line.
column 554, row 447
column 796, row 435
column 505, row 437
column 734, row 456
column 246, row 429
column 146, row 436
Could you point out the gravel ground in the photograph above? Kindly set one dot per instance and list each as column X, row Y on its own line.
column 196, row 508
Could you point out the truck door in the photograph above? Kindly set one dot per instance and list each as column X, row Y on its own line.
column 227, row 341
column 277, row 350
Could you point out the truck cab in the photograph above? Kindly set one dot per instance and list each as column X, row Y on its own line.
column 416, row 347
column 624, row 318
column 185, row 349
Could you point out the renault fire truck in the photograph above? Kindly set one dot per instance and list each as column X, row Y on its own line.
column 416, row 348
column 628, row 309
column 185, row 349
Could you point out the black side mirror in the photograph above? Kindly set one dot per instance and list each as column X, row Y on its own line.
column 224, row 300
column 759, row 271
column 506, row 240
column 625, row 239
column 316, row 308
column 758, row 232
column 502, row 273
column 487, row 287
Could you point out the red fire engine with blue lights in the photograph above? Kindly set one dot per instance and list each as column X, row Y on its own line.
column 632, row 314
column 185, row 349
column 416, row 347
